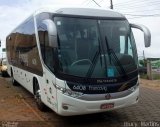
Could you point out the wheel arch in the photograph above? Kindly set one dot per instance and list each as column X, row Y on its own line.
column 34, row 80
column 11, row 71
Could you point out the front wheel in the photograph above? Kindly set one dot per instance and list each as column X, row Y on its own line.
column 41, row 106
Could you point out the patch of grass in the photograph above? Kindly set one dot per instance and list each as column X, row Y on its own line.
column 156, row 76
column 143, row 76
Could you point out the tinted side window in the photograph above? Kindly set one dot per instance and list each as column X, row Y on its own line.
column 46, row 50
column 10, row 47
column 24, row 48
column 43, row 38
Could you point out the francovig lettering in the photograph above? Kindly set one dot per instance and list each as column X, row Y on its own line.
column 102, row 88
column 90, row 88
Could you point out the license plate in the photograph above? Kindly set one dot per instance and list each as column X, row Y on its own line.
column 107, row 106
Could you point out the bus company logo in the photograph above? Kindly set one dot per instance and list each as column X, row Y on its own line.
column 107, row 81
column 107, row 96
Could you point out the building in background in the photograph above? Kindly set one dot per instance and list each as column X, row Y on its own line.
column 2, row 50
column 153, row 68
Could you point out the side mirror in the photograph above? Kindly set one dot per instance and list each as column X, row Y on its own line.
column 147, row 34
column 52, row 32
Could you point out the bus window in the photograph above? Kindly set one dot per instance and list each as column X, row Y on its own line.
column 46, row 50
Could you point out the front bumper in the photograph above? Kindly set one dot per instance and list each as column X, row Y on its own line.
column 68, row 106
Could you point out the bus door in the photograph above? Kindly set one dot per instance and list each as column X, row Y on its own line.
column 49, row 76
column 47, row 56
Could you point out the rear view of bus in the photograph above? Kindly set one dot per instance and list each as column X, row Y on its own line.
column 89, row 60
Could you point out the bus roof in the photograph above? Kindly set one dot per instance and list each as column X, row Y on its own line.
column 93, row 12
column 76, row 11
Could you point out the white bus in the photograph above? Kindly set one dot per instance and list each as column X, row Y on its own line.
column 76, row 60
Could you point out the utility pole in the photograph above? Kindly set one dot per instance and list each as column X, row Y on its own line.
column 149, row 70
column 111, row 7
column 144, row 59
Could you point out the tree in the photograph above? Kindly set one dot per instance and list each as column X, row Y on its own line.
column 143, row 62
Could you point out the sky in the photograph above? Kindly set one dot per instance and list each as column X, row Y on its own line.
column 146, row 12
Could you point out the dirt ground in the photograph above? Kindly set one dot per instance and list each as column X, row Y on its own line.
column 12, row 105
column 18, row 105
column 153, row 84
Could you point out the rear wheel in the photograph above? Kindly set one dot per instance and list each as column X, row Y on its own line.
column 14, row 82
column 37, row 94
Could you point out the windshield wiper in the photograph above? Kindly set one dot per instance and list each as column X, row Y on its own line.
column 95, row 59
column 111, row 52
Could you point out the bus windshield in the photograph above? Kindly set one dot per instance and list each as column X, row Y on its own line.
column 95, row 48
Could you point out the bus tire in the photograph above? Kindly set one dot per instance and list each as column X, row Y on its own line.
column 14, row 82
column 37, row 95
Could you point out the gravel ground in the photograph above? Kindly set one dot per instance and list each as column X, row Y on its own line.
column 152, row 84
column 18, row 108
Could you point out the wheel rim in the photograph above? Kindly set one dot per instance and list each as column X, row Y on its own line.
column 38, row 96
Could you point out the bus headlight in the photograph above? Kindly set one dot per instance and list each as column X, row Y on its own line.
column 72, row 93
column 134, row 87
column 68, row 92
column 61, row 89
